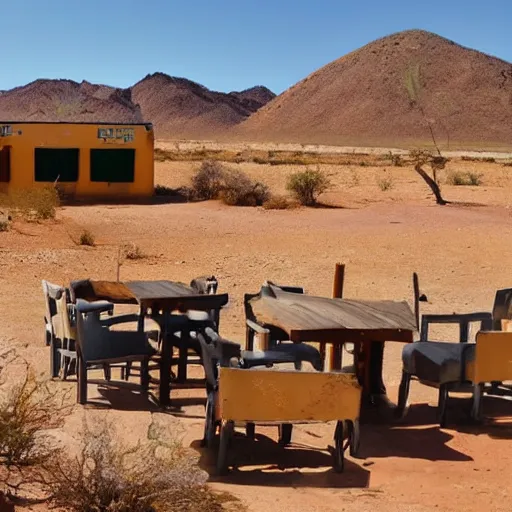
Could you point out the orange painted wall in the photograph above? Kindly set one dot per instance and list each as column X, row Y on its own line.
column 28, row 136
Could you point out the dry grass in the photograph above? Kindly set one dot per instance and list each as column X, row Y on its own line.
column 459, row 178
column 132, row 251
column 263, row 157
column 208, row 181
column 33, row 204
column 386, row 182
column 154, row 476
column 27, row 411
column 279, row 203
column 87, row 238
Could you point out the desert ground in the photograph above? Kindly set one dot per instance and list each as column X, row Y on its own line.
column 383, row 236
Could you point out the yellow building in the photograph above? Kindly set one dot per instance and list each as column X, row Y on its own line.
column 86, row 160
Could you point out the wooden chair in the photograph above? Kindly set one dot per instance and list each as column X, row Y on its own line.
column 53, row 325
column 443, row 364
column 99, row 346
column 275, row 339
column 492, row 362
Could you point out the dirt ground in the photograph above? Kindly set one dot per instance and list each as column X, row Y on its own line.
column 458, row 250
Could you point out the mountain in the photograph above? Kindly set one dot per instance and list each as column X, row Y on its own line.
column 376, row 96
column 65, row 100
column 180, row 108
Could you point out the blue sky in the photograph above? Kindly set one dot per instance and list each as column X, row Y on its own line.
column 223, row 44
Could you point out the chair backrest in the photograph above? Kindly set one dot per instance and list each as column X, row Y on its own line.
column 216, row 351
column 493, row 357
column 207, row 285
column 91, row 335
column 51, row 292
column 502, row 308
column 64, row 312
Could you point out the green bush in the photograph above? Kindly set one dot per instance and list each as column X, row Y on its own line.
column 307, row 185
column 38, row 203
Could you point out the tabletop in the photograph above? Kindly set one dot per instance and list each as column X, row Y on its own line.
column 310, row 318
column 161, row 293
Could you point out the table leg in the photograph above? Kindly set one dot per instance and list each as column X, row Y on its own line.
column 336, row 355
column 183, row 356
column 376, row 358
column 165, row 364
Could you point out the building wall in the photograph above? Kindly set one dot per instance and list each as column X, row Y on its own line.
column 26, row 137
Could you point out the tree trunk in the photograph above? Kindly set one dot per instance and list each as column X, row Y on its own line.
column 431, row 183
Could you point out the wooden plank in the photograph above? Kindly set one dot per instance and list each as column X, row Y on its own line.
column 111, row 291
column 272, row 395
column 159, row 289
column 339, row 280
column 294, row 313
column 493, row 357
column 186, row 303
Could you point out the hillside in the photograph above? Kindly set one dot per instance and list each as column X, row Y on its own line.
column 177, row 107
column 65, row 100
column 180, row 108
column 371, row 97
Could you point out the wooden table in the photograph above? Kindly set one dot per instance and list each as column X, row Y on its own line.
column 160, row 298
column 367, row 324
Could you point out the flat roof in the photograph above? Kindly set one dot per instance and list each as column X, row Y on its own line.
column 76, row 122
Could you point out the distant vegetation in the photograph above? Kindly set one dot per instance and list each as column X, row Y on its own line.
column 464, row 178
column 307, row 185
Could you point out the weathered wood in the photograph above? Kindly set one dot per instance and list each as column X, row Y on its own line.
column 416, row 287
column 339, row 280
column 112, row 291
column 270, row 395
column 493, row 358
column 309, row 318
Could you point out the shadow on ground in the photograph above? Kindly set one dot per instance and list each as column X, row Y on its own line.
column 263, row 462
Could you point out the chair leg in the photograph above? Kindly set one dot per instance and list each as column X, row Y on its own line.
column 54, row 359
column 477, row 401
column 403, row 395
column 81, row 381
column 107, row 372
column 183, row 356
column 128, row 370
column 443, row 399
column 144, row 375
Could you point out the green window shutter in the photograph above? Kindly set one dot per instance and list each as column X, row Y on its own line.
column 113, row 165
column 56, row 164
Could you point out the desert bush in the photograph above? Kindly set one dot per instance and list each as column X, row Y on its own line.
column 152, row 476
column 34, row 203
column 132, row 251
column 240, row 190
column 507, row 164
column 27, row 411
column 162, row 190
column 307, row 185
column 86, row 238
column 396, row 160
column 279, row 203
column 385, row 182
column 4, row 223
column 459, row 178
column 209, row 180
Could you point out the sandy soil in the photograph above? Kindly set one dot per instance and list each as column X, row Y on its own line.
column 458, row 250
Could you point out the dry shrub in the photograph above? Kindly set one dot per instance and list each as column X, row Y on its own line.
column 216, row 181
column 459, row 178
column 87, row 238
column 385, row 182
column 240, row 190
column 132, row 251
column 307, row 185
column 39, row 203
column 27, row 411
column 396, row 160
column 209, row 180
column 154, row 475
column 279, row 203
